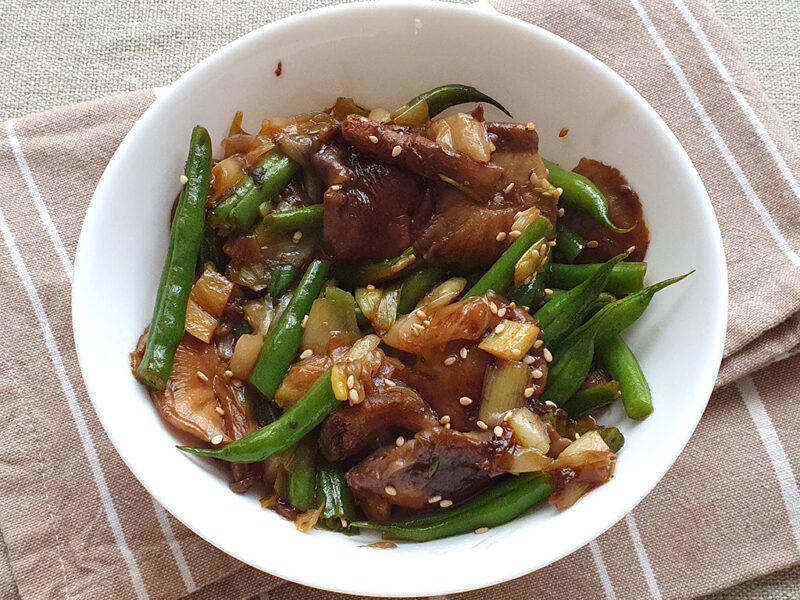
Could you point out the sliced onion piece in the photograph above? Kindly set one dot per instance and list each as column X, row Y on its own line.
column 503, row 390
column 529, row 430
column 510, row 340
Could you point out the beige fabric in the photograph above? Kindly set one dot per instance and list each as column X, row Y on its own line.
column 76, row 524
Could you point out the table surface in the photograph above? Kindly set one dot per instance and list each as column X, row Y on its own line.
column 58, row 52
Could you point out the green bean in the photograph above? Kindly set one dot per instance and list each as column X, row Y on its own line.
column 353, row 277
column 593, row 398
column 336, row 500
column 280, row 345
column 623, row 366
column 502, row 503
column 269, row 177
column 302, row 480
column 532, row 294
column 559, row 317
column 568, row 243
column 625, row 278
column 415, row 286
column 282, row 277
column 169, row 312
column 581, row 193
column 282, row 434
column 501, row 273
column 443, row 97
column 295, row 218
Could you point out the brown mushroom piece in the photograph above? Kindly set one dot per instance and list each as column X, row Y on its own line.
column 438, row 465
column 350, row 429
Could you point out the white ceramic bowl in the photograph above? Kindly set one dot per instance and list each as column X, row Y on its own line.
column 383, row 54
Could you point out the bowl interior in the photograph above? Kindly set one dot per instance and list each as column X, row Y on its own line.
column 382, row 55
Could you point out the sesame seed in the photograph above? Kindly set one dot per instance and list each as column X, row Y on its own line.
column 551, row 243
column 514, row 233
column 528, row 392
column 343, row 521
column 481, row 530
column 631, row 250
column 445, row 420
column 446, row 503
column 501, row 312
column 434, row 499
column 551, row 403
column 389, row 382
column 308, row 353
column 462, row 353
column 512, row 305
column 493, row 308
column 399, row 441
column 538, row 344
column 219, row 410
column 305, row 322
column 353, row 395
column 202, row 376
column 390, row 490
column 498, row 199
column 297, row 236
column 351, row 381
column 530, row 126
column 447, row 426
column 396, row 151
column 449, row 361
column 373, row 139
column 548, row 291
column 528, row 360
column 499, row 329
column 501, row 236
column 336, row 187
column 561, row 212
column 465, row 401
column 577, row 435
column 370, row 287
column 184, row 180
column 228, row 374
column 534, row 252
column 516, row 352
column 548, row 356
column 508, row 188
column 537, row 374
column 559, row 191
column 592, row 244
column 498, row 431
column 421, row 314
column 482, row 425
column 217, row 439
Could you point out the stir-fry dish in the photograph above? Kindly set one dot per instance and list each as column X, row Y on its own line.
column 398, row 321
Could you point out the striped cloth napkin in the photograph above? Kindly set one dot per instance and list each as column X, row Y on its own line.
column 76, row 524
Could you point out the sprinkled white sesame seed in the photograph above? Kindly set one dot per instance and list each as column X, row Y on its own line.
column 434, row 499
column 297, row 236
column 592, row 244
column 449, row 361
column 370, row 287
column 493, row 308
column 548, row 291
column 514, row 234
column 184, row 180
column 498, row 198
column 336, row 187
column 577, row 435
column 534, row 252
column 465, row 401
column 537, row 374
column 447, row 425
column 462, row 353
column 631, row 250
column 307, row 353
column 343, row 521
column 390, row 490
column 202, row 376
column 528, row 360
column 421, row 314
column 498, row 431
column 538, row 344
column 446, row 503
column 445, row 420
column 528, row 392
column 559, row 190
column 396, row 151
column 399, row 441
column 389, row 382
column 499, row 329
column 551, row 403
column 560, row 212
column 501, row 312
column 513, row 305
column 482, row 425
column 373, row 139
column 351, row 381
column 220, row 411
column 548, row 356
column 481, row 530
column 501, row 236
column 508, row 188
column 530, row 126
column 492, row 147
column 516, row 352
column 228, row 374
column 551, row 243
column 353, row 395
column 305, row 322
column 217, row 439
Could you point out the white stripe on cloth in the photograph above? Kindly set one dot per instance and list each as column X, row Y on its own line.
column 777, row 455
column 74, row 407
column 37, row 199
column 174, row 546
column 641, row 554
column 605, row 580
column 19, row 155
column 713, row 132
column 758, row 126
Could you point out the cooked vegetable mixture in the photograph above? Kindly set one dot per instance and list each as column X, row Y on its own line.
column 398, row 321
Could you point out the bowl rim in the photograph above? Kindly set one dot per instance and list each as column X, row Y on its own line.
column 717, row 325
